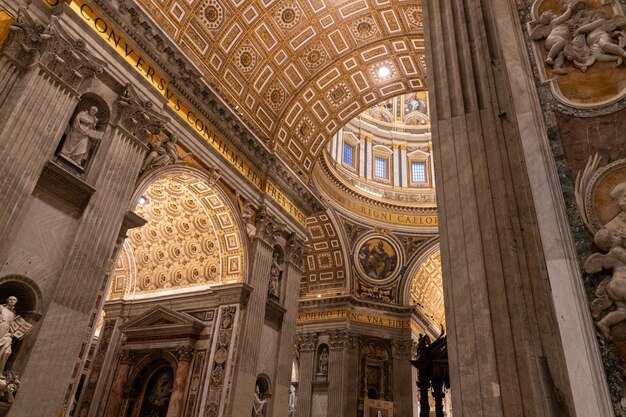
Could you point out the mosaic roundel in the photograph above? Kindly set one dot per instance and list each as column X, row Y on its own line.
column 378, row 259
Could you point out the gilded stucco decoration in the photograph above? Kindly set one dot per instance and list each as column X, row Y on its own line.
column 427, row 288
column 579, row 50
column 190, row 240
column 326, row 264
column 252, row 51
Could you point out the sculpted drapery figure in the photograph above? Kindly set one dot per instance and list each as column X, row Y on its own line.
column 76, row 146
column 162, row 152
column 257, row 409
column 7, row 316
column 275, row 270
column 322, row 367
column 612, row 291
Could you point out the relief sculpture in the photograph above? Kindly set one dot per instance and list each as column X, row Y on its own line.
column 601, row 200
column 574, row 38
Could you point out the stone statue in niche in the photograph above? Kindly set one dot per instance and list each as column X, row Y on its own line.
column 257, row 408
column 322, row 362
column 11, row 326
column 76, row 146
column 611, row 293
column 275, row 271
column 163, row 152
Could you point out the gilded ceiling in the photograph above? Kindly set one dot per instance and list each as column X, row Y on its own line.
column 297, row 71
column 326, row 267
column 190, row 240
column 427, row 288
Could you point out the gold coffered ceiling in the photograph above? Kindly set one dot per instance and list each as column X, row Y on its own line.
column 299, row 70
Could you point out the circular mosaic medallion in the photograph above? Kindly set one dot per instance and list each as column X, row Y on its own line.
column 378, row 259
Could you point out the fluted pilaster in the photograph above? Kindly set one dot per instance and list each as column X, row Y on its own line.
column 307, row 373
column 52, row 362
column 248, row 354
column 295, row 251
column 402, row 376
column 337, row 382
column 491, row 255
column 40, row 74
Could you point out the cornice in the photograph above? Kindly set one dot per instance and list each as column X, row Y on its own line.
column 187, row 80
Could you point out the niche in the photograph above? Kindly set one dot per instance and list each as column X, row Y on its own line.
column 151, row 390
column 276, row 274
column 82, row 136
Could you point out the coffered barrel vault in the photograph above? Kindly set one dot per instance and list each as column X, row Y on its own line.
column 298, row 71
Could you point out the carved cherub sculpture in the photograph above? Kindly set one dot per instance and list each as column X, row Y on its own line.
column 556, row 31
column 612, row 290
column 605, row 41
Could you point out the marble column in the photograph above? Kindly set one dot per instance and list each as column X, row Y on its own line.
column 250, row 337
column 294, row 254
column 177, row 399
column 338, row 384
column 307, row 374
column 494, row 275
column 402, row 376
column 116, row 395
column 41, row 72
column 53, row 361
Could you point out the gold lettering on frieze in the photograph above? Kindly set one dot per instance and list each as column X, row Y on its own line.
column 355, row 316
column 364, row 209
column 113, row 36
column 5, row 25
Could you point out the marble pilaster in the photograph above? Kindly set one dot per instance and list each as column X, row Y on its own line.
column 402, row 376
column 491, row 257
column 250, row 338
column 351, row 370
column 338, row 385
column 307, row 373
column 41, row 72
column 293, row 270
column 52, row 362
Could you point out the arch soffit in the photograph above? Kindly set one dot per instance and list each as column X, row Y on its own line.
column 192, row 239
column 423, row 278
column 328, row 263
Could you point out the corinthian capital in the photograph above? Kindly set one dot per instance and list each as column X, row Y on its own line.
column 296, row 250
column 185, row 353
column 267, row 227
column 24, row 41
column 67, row 58
column 136, row 116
